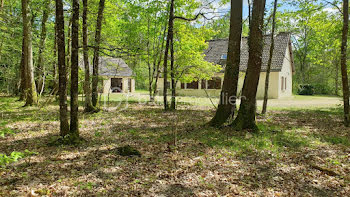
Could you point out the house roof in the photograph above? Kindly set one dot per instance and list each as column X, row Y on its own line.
column 113, row 67
column 217, row 48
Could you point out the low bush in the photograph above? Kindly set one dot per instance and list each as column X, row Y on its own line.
column 306, row 90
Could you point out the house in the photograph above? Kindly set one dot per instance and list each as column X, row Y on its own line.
column 117, row 76
column 282, row 69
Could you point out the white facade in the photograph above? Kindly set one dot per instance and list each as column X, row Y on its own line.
column 277, row 88
column 125, row 83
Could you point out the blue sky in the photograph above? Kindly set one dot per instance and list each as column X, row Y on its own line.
column 226, row 7
column 220, row 10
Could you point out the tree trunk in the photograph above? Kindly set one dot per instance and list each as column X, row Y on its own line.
column 150, row 73
column 172, row 74
column 229, row 90
column 96, row 53
column 247, row 110
column 69, row 42
column 343, row 62
column 336, row 78
column 268, row 70
column 54, row 65
column 87, row 86
column 2, row 5
column 23, row 76
column 64, row 125
column 30, row 89
column 74, row 105
column 249, row 12
column 166, row 53
column 1, row 44
column 159, row 62
column 41, row 67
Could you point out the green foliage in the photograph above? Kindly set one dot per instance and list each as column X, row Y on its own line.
column 13, row 157
column 306, row 90
column 189, row 59
column 316, row 29
column 6, row 131
column 134, row 30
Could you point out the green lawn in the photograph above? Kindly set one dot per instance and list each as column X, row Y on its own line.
column 302, row 151
column 297, row 101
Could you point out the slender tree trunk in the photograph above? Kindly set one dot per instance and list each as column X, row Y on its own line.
column 74, row 105
column 268, row 70
column 54, row 65
column 150, row 73
column 23, row 76
column 155, row 91
column 87, row 86
column 344, row 72
column 249, row 12
column 1, row 44
column 336, row 77
column 229, row 90
column 64, row 125
column 2, row 5
column 247, row 110
column 166, row 53
column 41, row 67
column 30, row 89
column 69, row 44
column 172, row 74
column 96, row 53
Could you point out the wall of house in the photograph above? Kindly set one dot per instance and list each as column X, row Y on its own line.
column 286, row 72
column 273, row 86
column 132, row 85
column 107, row 84
column 125, row 85
column 275, row 83
column 273, row 90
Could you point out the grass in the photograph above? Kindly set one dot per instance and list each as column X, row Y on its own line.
column 317, row 101
column 204, row 161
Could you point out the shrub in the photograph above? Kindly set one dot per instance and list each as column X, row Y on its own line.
column 6, row 131
column 15, row 156
column 306, row 90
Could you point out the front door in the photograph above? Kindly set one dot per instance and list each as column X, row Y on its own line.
column 117, row 85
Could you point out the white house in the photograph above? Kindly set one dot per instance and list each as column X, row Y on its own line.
column 117, row 76
column 282, row 69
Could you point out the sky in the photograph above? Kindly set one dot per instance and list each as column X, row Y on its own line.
column 222, row 9
column 226, row 7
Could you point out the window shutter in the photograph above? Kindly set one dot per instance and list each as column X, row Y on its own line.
column 285, row 83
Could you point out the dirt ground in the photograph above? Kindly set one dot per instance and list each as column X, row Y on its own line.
column 299, row 152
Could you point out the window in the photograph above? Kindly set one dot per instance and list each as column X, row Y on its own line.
column 204, row 84
column 192, row 85
column 282, row 86
column 224, row 57
column 214, row 83
column 182, row 85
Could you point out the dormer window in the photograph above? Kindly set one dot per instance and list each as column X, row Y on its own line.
column 224, row 57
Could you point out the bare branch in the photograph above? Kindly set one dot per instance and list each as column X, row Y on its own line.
column 334, row 5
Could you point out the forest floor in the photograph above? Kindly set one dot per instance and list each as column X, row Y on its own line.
column 301, row 151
